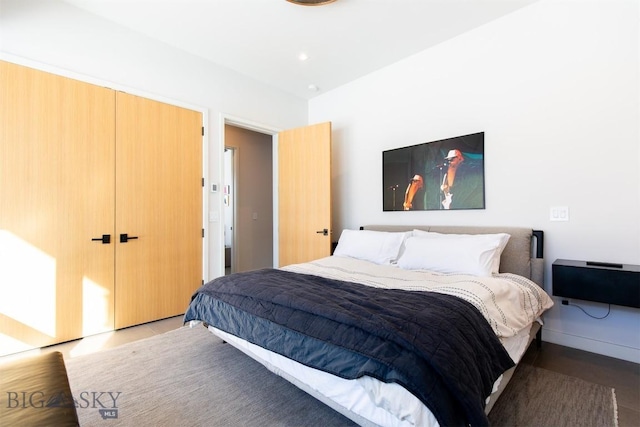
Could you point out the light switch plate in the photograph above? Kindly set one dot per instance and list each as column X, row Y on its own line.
column 559, row 213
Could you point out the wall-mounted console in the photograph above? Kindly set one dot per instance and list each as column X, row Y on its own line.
column 609, row 283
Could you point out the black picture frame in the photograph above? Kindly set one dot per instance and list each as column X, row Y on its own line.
column 447, row 174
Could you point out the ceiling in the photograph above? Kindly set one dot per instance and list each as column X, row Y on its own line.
column 263, row 39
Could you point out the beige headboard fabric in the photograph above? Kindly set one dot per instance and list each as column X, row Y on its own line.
column 518, row 256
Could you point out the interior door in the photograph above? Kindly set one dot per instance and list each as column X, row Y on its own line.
column 56, row 197
column 158, row 209
column 304, row 193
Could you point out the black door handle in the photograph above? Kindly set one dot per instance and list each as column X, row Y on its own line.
column 105, row 239
column 124, row 238
column 324, row 232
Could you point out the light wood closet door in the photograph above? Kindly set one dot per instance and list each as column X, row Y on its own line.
column 304, row 193
column 158, row 201
column 56, row 195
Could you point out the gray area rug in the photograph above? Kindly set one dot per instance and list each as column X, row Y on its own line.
column 188, row 377
column 541, row 398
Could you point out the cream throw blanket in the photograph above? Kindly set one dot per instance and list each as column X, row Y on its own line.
column 509, row 302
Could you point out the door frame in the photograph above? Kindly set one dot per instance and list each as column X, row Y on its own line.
column 226, row 119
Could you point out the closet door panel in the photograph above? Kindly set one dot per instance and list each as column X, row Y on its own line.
column 57, row 194
column 159, row 203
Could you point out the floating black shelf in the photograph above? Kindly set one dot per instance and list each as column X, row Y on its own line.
column 610, row 283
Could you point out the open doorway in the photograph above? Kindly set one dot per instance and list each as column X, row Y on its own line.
column 228, row 202
column 247, row 199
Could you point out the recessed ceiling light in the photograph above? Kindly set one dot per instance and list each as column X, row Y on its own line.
column 303, row 56
column 313, row 88
column 311, row 2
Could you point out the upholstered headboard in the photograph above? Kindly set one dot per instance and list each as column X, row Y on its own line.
column 523, row 254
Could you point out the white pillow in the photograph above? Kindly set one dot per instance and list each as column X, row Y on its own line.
column 501, row 239
column 476, row 254
column 380, row 247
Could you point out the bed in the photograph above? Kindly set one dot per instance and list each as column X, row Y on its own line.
column 401, row 326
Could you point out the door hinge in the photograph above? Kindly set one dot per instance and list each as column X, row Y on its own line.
column 203, row 182
column 202, row 130
column 203, row 232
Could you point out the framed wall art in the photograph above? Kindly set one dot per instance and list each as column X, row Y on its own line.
column 439, row 175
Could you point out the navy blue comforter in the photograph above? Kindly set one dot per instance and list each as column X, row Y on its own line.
column 437, row 346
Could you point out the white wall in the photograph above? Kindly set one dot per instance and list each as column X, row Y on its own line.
column 56, row 37
column 555, row 88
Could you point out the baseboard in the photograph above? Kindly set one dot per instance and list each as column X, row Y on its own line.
column 587, row 344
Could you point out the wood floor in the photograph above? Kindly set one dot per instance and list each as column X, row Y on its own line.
column 622, row 375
